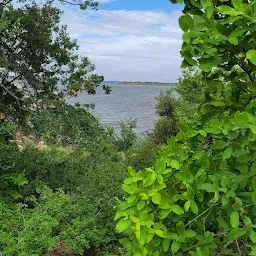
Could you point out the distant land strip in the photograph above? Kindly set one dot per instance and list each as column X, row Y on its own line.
column 140, row 83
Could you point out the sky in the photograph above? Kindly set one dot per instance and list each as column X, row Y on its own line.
column 129, row 40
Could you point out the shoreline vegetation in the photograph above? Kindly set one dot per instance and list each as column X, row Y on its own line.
column 140, row 83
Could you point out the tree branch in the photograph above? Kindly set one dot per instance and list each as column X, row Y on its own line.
column 10, row 93
column 70, row 2
column 7, row 2
column 248, row 72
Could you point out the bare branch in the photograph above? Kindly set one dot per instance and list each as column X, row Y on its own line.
column 10, row 93
column 5, row 2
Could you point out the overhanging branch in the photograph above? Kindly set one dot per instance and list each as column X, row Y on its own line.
column 10, row 93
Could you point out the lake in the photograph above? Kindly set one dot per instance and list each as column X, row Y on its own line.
column 125, row 102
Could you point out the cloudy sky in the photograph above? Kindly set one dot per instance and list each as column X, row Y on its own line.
column 129, row 40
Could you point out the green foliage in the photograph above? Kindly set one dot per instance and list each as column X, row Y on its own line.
column 83, row 209
column 39, row 62
column 7, row 130
column 199, row 199
column 164, row 128
column 11, row 181
column 178, row 106
column 127, row 135
column 165, row 106
column 190, row 91
column 143, row 153
column 63, row 123
column 25, row 231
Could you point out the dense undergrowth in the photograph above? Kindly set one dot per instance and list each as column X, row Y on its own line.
column 60, row 198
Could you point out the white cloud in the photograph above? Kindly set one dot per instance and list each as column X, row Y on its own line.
column 128, row 45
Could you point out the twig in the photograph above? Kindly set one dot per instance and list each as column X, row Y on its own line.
column 239, row 251
column 209, row 209
column 70, row 2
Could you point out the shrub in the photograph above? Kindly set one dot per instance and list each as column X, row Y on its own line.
column 64, row 123
column 7, row 130
column 143, row 153
column 164, row 129
column 127, row 135
column 200, row 197
column 165, row 106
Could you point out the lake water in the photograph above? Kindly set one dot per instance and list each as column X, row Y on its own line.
column 125, row 102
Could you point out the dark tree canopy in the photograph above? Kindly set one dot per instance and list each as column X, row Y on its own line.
column 38, row 59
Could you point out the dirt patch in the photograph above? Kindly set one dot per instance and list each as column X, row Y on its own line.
column 62, row 250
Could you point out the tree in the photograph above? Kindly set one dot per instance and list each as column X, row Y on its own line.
column 200, row 197
column 38, row 60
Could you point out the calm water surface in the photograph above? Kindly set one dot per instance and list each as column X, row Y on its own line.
column 124, row 102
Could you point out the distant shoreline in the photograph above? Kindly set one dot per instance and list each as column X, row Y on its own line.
column 112, row 83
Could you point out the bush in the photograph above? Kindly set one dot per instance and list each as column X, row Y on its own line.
column 63, row 123
column 200, row 196
column 143, row 153
column 83, row 185
column 7, row 130
column 165, row 106
column 127, row 135
column 164, row 129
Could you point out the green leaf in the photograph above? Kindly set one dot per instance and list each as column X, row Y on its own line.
column 187, row 205
column 217, row 103
column 254, row 197
column 156, row 198
column 219, row 144
column 175, row 246
column 222, row 223
column 194, row 207
column 237, row 4
column 175, row 164
column 234, row 219
column 254, row 183
column 184, row 22
column 166, row 244
column 227, row 153
column 128, row 188
column 123, row 225
column 253, row 251
column 247, row 222
column 177, row 209
column 199, row 252
column 160, row 179
column 131, row 171
column 150, row 179
column 235, row 233
column 208, row 6
column 140, row 205
column 208, row 187
column 242, row 119
column 189, row 233
column 207, row 65
column 161, row 233
column 251, row 56
column 227, row 10
column 126, row 244
column 253, row 236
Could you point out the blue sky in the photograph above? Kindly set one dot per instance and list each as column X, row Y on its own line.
column 143, row 5
column 129, row 40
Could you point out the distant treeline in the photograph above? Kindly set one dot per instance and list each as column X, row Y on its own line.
column 143, row 83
